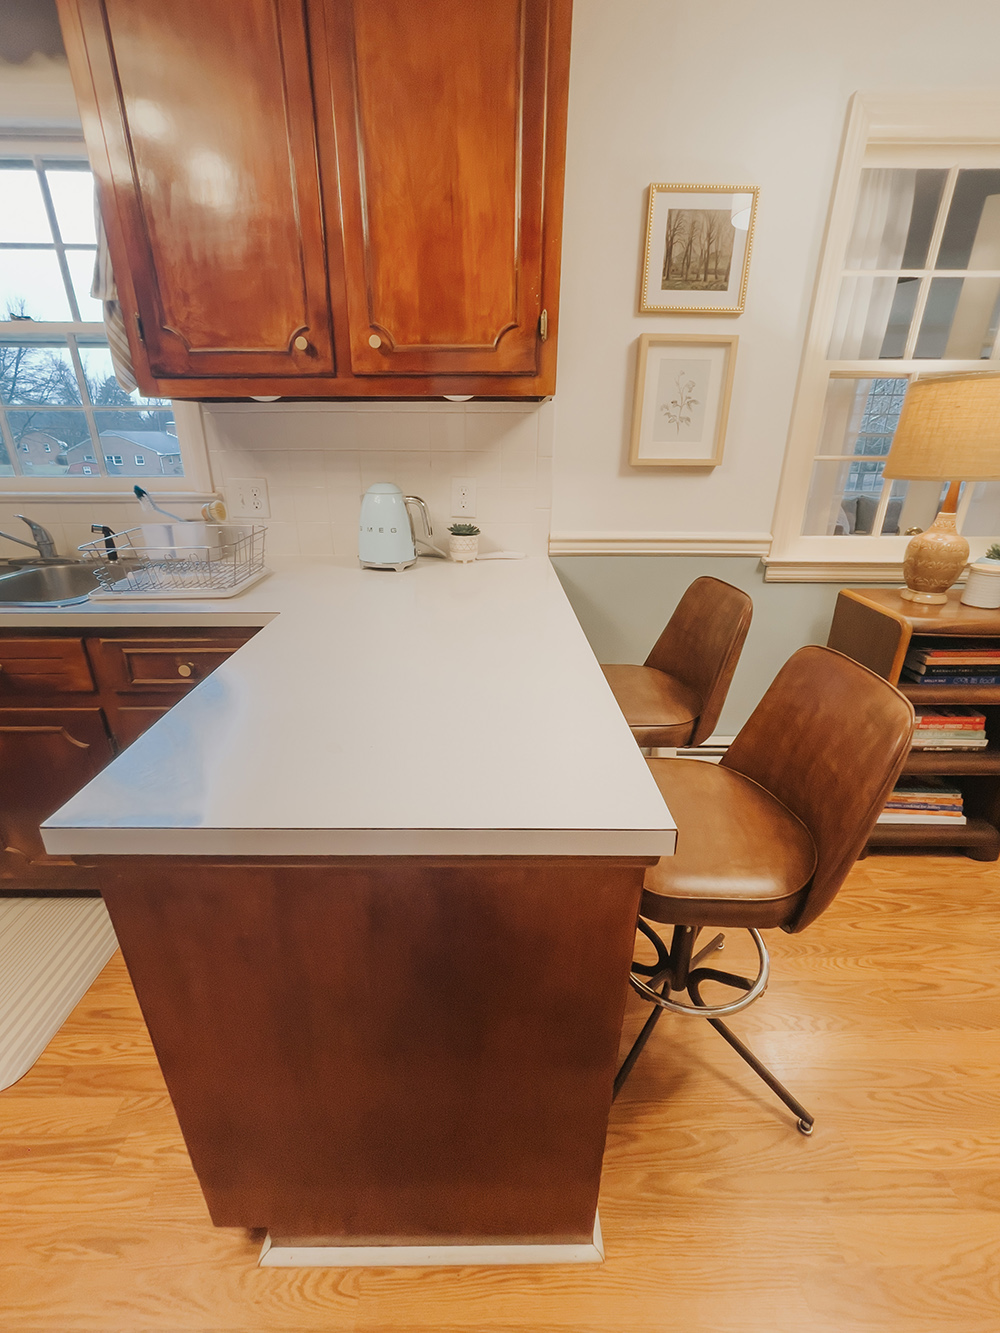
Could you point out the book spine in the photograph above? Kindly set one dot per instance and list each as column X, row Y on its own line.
column 954, row 680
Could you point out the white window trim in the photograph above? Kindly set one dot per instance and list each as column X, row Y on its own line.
column 197, row 483
column 967, row 117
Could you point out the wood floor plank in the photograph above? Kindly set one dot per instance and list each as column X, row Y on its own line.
column 717, row 1216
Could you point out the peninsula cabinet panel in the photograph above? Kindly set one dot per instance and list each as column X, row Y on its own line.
column 386, row 1050
column 46, row 756
column 198, row 118
column 330, row 198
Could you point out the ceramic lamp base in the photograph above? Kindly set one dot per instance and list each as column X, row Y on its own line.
column 933, row 561
column 926, row 598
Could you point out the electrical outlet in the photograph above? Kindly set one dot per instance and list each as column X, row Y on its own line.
column 463, row 497
column 247, row 497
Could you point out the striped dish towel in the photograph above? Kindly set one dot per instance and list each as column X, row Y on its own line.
column 104, row 289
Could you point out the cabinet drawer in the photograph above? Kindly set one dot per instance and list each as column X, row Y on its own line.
column 44, row 666
column 156, row 664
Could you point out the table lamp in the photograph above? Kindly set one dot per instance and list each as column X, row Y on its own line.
column 949, row 430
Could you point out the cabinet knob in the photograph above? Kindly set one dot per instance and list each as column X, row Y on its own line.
column 301, row 343
column 185, row 669
column 374, row 341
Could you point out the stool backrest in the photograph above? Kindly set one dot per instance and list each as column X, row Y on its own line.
column 828, row 739
column 701, row 645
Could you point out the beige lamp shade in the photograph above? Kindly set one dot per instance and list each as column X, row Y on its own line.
column 949, row 429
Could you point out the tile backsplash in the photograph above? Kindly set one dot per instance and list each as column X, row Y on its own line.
column 319, row 458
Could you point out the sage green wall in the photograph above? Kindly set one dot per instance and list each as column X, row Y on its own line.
column 623, row 601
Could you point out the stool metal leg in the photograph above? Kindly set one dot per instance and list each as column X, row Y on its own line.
column 805, row 1120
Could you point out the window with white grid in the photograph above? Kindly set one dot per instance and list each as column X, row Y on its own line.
column 62, row 411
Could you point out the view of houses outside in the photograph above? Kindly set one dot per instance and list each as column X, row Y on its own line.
column 62, row 411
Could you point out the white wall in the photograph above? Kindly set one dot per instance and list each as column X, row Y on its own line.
column 730, row 93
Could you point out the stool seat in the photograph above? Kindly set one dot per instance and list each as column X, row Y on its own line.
column 659, row 709
column 742, row 859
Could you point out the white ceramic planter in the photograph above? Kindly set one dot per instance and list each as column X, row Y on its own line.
column 462, row 549
column 983, row 586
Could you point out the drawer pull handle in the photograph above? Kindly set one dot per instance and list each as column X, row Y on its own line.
column 375, row 341
column 185, row 669
column 301, row 343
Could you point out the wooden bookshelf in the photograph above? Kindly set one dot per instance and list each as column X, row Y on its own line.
column 877, row 628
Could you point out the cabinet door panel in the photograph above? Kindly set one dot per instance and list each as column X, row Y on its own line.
column 207, row 149
column 46, row 756
column 440, row 118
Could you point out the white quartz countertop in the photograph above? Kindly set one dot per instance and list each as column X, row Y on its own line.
column 443, row 710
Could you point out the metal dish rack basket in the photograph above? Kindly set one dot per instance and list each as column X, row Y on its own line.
column 179, row 559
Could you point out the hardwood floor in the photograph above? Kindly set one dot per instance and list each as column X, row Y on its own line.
column 718, row 1217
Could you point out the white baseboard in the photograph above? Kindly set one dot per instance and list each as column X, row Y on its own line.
column 283, row 1252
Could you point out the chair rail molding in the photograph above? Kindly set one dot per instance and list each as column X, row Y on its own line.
column 660, row 543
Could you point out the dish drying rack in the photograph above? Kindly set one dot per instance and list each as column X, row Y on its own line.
column 178, row 560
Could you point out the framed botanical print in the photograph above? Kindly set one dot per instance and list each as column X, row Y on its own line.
column 698, row 240
column 682, row 389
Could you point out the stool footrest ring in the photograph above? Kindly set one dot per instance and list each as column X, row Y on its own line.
column 755, row 989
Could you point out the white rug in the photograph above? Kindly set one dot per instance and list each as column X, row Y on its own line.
column 51, row 949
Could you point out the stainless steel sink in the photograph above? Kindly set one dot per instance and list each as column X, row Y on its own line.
column 56, row 584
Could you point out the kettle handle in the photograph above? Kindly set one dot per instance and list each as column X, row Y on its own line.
column 425, row 516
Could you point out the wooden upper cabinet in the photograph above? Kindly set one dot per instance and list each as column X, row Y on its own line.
column 331, row 198
column 440, row 117
column 199, row 120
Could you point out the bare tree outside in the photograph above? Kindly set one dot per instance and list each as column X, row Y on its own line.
column 698, row 249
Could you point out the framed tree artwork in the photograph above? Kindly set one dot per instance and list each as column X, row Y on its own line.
column 682, row 389
column 698, row 240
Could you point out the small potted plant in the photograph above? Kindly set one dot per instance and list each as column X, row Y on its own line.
column 463, row 542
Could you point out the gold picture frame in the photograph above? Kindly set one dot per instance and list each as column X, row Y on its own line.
column 698, row 241
column 683, row 384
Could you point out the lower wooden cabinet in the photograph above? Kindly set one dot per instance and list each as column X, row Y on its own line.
column 46, row 756
column 68, row 705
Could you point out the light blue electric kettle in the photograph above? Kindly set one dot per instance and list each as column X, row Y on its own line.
column 385, row 531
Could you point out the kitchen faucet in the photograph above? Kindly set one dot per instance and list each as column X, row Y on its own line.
column 43, row 542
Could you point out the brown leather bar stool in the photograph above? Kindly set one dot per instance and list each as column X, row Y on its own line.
column 676, row 696
column 766, row 837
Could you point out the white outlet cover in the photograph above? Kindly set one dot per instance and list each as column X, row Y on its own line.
column 248, row 497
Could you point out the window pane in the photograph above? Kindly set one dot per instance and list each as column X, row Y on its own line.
column 104, row 389
column 983, row 518
column 37, row 375
column 73, row 199
column 22, row 209
column 897, row 328
column 972, row 233
column 128, row 436
column 6, row 470
column 862, row 318
column 45, row 440
column 844, row 497
column 31, row 284
column 860, row 415
column 960, row 320
column 81, row 269
column 894, row 218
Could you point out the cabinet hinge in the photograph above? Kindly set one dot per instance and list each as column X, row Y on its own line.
column 138, row 329
column 543, row 325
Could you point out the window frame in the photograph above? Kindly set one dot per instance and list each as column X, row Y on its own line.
column 876, row 122
column 195, row 484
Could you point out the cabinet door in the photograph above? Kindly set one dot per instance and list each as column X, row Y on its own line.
column 46, row 756
column 199, row 120
column 440, row 112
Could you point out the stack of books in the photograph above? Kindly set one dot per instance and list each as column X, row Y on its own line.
column 949, row 729
column 961, row 663
column 923, row 801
